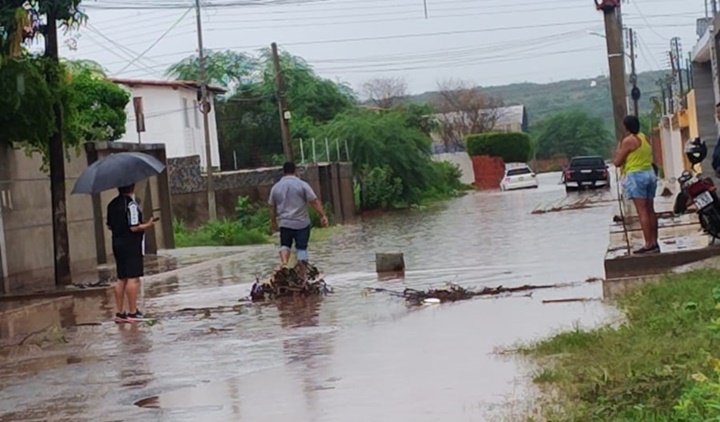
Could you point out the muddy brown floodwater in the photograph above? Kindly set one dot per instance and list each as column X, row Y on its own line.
column 348, row 357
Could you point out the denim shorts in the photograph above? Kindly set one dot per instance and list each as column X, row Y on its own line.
column 301, row 238
column 640, row 185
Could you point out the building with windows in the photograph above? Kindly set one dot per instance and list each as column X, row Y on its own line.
column 170, row 113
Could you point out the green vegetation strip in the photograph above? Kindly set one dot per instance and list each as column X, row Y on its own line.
column 661, row 364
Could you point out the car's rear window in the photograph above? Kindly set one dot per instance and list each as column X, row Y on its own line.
column 587, row 162
column 518, row 172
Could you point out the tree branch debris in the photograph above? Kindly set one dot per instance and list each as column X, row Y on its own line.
column 288, row 282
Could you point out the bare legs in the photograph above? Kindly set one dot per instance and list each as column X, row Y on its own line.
column 284, row 256
column 120, row 295
column 129, row 287
column 648, row 221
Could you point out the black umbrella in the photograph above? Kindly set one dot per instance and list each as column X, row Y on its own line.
column 117, row 170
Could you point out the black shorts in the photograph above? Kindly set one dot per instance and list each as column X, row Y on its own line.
column 301, row 238
column 128, row 258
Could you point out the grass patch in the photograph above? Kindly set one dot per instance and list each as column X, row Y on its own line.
column 218, row 233
column 657, row 366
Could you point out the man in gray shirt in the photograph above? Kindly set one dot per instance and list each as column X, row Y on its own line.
column 289, row 200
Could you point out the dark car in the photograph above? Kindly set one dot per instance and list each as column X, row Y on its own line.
column 589, row 172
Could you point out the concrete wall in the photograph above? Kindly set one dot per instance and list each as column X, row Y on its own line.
column 172, row 118
column 27, row 218
column 462, row 159
column 704, row 103
column 332, row 182
column 26, row 240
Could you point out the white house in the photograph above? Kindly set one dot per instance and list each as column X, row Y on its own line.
column 172, row 117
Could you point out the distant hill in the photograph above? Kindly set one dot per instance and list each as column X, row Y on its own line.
column 542, row 100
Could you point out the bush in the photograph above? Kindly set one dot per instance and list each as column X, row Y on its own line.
column 511, row 147
column 380, row 189
column 218, row 233
column 315, row 217
column 252, row 215
column 449, row 175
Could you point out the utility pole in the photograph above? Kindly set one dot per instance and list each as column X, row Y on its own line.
column 677, row 68
column 61, row 245
column 635, row 92
column 282, row 106
column 205, row 108
column 616, row 62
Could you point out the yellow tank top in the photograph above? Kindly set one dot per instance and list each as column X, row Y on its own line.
column 641, row 159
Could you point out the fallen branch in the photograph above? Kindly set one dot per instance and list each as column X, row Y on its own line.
column 289, row 282
column 578, row 299
column 454, row 293
column 581, row 204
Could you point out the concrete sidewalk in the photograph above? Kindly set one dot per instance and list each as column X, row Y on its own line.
column 681, row 239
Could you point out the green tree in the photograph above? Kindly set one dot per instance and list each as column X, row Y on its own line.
column 100, row 104
column 27, row 99
column 248, row 120
column 391, row 157
column 227, row 69
column 572, row 133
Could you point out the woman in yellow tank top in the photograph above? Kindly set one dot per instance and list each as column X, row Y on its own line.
column 634, row 156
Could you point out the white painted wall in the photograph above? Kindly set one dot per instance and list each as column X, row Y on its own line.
column 673, row 152
column 172, row 118
column 462, row 159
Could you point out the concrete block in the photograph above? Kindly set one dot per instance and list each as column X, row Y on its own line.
column 389, row 262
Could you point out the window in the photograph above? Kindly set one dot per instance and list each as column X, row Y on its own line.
column 519, row 171
column 186, row 119
column 196, row 113
column 588, row 162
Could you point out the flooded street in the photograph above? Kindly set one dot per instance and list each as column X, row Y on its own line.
column 348, row 357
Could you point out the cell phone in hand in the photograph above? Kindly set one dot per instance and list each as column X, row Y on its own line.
column 155, row 219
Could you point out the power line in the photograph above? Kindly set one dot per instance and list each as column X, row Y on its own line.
column 160, row 38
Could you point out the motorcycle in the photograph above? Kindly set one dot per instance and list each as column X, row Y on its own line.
column 699, row 191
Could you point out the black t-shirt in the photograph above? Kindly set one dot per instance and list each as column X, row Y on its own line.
column 122, row 214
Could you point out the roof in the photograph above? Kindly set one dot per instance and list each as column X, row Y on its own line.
column 193, row 85
column 510, row 115
column 503, row 115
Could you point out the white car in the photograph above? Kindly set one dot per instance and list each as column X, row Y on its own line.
column 518, row 176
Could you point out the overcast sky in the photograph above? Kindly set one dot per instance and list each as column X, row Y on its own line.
column 488, row 42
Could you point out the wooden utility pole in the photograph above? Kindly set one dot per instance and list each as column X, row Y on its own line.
column 635, row 92
column 61, row 245
column 205, row 108
column 616, row 62
column 282, row 106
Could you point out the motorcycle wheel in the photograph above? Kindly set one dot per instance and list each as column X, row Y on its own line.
column 710, row 221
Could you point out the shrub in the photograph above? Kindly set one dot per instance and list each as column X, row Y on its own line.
column 449, row 175
column 511, row 147
column 380, row 189
column 217, row 233
column 252, row 215
column 315, row 217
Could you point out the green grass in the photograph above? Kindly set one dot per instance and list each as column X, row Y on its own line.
column 218, row 233
column 642, row 370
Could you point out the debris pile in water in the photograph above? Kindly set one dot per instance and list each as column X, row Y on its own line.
column 454, row 293
column 288, row 282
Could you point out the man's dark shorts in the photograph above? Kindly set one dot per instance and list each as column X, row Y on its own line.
column 300, row 237
column 128, row 258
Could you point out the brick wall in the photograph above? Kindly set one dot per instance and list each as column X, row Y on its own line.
column 488, row 171
column 331, row 182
